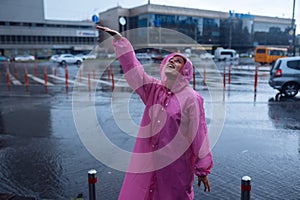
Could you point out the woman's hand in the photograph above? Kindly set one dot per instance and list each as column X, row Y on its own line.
column 205, row 181
column 113, row 33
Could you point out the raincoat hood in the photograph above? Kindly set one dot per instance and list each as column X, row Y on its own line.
column 185, row 75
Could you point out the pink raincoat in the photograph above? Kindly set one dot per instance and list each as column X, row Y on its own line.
column 172, row 143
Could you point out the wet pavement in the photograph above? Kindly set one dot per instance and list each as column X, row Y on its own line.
column 41, row 154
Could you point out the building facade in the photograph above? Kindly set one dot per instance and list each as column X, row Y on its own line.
column 211, row 29
column 23, row 33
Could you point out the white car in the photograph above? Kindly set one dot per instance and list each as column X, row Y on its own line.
column 225, row 54
column 24, row 58
column 68, row 59
column 143, row 56
column 53, row 58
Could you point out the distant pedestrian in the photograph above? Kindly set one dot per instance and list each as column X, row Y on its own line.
column 172, row 143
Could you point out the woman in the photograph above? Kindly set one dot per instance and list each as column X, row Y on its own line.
column 172, row 143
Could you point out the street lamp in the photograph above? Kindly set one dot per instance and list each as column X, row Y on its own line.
column 122, row 22
column 293, row 30
column 230, row 28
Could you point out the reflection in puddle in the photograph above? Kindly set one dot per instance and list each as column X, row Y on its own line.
column 30, row 160
column 285, row 113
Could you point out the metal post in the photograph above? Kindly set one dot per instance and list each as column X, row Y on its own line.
column 230, row 34
column 245, row 188
column 92, row 179
column 294, row 30
column 224, row 78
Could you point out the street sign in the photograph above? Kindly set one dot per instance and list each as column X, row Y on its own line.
column 95, row 18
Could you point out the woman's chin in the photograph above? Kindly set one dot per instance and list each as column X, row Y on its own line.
column 171, row 73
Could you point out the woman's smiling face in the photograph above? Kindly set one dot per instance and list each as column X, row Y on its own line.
column 174, row 65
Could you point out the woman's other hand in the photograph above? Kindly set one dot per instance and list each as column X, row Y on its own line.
column 205, row 181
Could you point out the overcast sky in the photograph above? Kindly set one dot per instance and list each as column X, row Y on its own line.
column 85, row 9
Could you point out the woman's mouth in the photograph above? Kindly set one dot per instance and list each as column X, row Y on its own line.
column 171, row 66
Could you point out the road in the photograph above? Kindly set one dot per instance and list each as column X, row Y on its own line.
column 42, row 153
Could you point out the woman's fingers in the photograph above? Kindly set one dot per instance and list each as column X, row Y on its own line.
column 100, row 27
column 113, row 33
column 205, row 183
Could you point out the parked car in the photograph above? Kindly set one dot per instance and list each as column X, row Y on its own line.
column 53, row 58
column 143, row 57
column 24, row 58
column 4, row 59
column 68, row 59
column 285, row 76
column 225, row 54
column 157, row 57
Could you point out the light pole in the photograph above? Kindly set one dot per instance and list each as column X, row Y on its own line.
column 122, row 22
column 294, row 30
column 230, row 28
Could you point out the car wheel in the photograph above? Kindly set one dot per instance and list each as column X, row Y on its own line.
column 63, row 62
column 78, row 62
column 290, row 89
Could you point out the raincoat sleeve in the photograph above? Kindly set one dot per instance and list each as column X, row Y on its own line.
column 134, row 72
column 200, row 145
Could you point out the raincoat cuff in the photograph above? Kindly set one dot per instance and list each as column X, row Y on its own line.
column 201, row 172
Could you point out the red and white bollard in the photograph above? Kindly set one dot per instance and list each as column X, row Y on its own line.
column 66, row 76
column 80, row 74
column 89, row 81
column 108, row 73
column 92, row 180
column 45, row 76
column 26, row 78
column 255, row 78
column 112, row 82
column 8, row 78
column 245, row 188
